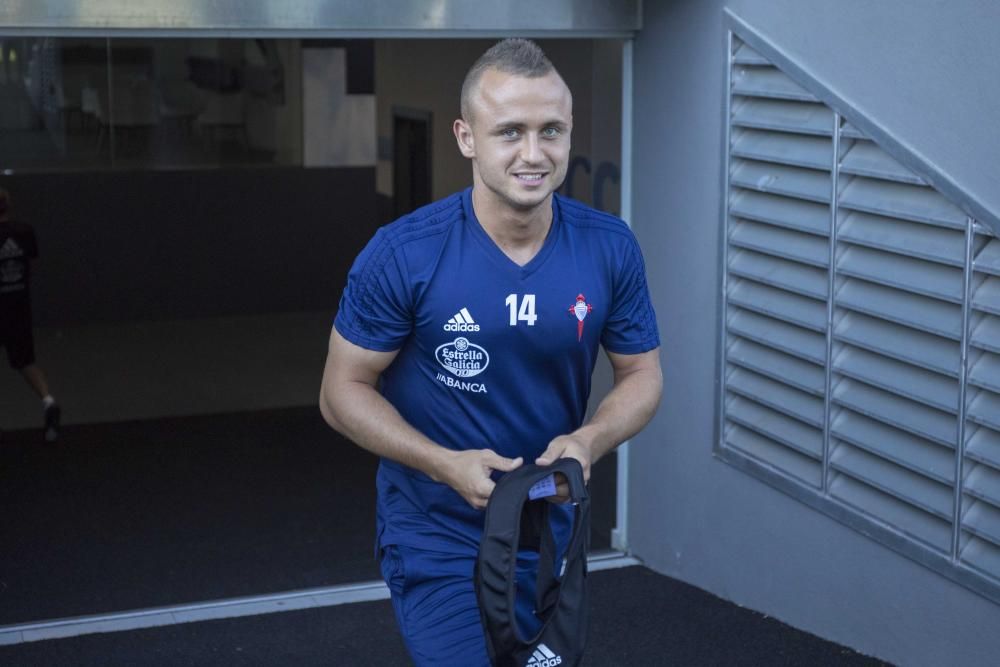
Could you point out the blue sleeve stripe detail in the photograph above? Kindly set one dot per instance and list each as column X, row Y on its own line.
column 368, row 283
column 358, row 329
column 650, row 331
column 581, row 215
column 362, row 341
column 388, row 241
column 428, row 221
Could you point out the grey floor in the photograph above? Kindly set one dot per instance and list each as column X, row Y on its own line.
column 637, row 619
column 145, row 370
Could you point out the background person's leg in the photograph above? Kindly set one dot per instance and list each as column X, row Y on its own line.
column 20, row 341
column 36, row 379
column 51, row 412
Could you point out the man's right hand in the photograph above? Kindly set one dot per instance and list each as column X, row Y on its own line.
column 350, row 403
column 468, row 472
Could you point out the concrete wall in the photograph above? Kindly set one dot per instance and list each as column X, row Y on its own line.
column 692, row 516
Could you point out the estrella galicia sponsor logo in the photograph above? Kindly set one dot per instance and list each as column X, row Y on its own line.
column 461, row 321
column 462, row 358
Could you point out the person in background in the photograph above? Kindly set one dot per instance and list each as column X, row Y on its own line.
column 18, row 247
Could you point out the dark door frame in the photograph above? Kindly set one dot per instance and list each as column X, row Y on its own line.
column 426, row 117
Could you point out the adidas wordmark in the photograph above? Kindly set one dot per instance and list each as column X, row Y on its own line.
column 462, row 321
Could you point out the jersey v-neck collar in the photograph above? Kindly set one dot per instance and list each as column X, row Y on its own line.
column 498, row 256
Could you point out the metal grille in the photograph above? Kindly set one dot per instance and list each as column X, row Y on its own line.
column 861, row 342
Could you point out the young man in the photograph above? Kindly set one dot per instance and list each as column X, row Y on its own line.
column 17, row 248
column 482, row 315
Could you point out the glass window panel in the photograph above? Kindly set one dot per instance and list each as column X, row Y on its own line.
column 52, row 93
column 70, row 104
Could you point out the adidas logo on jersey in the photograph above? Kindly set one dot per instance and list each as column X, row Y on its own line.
column 544, row 657
column 462, row 321
column 10, row 249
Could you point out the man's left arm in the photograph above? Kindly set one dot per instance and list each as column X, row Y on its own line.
column 628, row 407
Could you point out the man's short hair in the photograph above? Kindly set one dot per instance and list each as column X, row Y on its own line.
column 510, row 56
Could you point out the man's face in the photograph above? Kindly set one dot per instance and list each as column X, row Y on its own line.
column 518, row 136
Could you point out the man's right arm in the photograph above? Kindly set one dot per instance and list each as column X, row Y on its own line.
column 352, row 405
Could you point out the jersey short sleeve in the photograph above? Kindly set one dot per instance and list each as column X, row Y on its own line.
column 376, row 308
column 631, row 326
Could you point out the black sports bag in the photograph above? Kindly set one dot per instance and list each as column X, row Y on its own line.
column 513, row 521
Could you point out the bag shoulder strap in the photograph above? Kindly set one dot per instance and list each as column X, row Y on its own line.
column 512, row 520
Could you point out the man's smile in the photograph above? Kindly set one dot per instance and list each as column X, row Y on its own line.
column 529, row 177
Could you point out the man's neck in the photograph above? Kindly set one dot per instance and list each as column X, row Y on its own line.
column 519, row 234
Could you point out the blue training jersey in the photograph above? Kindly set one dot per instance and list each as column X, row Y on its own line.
column 492, row 355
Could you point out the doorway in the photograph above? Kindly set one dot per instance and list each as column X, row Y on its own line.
column 411, row 158
column 244, row 480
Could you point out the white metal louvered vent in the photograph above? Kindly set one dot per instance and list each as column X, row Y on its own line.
column 980, row 537
column 861, row 342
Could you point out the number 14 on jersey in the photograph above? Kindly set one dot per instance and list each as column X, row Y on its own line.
column 523, row 313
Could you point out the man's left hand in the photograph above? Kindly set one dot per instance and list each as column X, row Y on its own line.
column 566, row 446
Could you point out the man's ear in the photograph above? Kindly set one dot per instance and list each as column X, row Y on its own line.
column 463, row 135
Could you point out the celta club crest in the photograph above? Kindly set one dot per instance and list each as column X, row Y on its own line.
column 581, row 309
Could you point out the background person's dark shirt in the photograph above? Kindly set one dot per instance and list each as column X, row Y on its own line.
column 17, row 248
